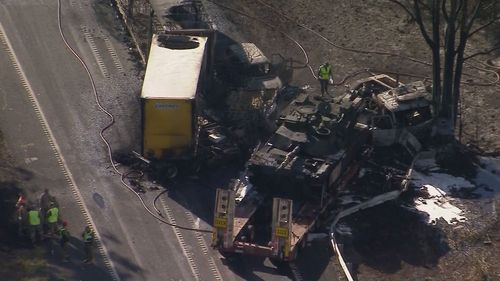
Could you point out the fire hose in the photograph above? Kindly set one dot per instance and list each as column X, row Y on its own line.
column 123, row 175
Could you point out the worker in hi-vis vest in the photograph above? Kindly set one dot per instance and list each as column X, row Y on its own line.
column 325, row 77
column 34, row 223
column 88, row 240
column 52, row 218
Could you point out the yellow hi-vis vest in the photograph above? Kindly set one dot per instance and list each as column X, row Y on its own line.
column 33, row 217
column 88, row 236
column 53, row 215
column 325, row 72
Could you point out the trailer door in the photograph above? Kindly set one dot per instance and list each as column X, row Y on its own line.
column 223, row 219
column 281, row 227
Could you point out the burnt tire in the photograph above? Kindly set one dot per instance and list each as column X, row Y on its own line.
column 196, row 166
column 279, row 263
column 229, row 256
column 171, row 171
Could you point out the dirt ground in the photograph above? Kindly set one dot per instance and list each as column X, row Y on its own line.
column 372, row 25
column 400, row 246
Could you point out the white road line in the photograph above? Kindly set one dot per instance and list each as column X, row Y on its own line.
column 57, row 151
column 203, row 245
column 188, row 254
column 114, row 56
column 95, row 51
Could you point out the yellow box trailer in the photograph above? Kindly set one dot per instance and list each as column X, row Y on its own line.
column 174, row 76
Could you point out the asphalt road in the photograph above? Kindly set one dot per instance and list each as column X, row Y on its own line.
column 139, row 247
column 51, row 123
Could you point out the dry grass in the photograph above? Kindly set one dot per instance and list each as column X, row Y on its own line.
column 28, row 265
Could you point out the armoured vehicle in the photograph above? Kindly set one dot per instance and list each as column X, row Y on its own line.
column 316, row 151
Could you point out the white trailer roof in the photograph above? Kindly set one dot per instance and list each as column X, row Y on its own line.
column 172, row 72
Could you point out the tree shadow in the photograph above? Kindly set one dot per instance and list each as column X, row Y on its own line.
column 188, row 15
column 125, row 262
column 198, row 196
column 95, row 270
column 314, row 259
column 247, row 266
column 388, row 235
column 9, row 238
column 110, row 237
column 15, row 173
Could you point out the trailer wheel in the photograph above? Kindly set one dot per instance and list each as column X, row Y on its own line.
column 279, row 263
column 196, row 166
column 229, row 256
column 303, row 243
column 171, row 171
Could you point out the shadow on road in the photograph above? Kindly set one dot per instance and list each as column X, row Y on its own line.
column 247, row 267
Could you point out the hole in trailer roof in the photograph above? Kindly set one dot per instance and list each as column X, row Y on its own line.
column 178, row 42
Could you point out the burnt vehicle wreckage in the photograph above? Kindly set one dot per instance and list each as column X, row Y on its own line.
column 311, row 149
column 220, row 105
column 291, row 181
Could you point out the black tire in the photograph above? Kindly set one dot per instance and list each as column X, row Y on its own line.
column 171, row 171
column 230, row 256
column 279, row 263
column 196, row 167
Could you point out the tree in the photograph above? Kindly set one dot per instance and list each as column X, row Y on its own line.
column 456, row 17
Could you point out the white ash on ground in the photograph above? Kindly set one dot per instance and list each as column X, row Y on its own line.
column 445, row 196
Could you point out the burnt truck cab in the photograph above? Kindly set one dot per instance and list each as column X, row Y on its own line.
column 394, row 110
column 250, row 86
column 250, row 68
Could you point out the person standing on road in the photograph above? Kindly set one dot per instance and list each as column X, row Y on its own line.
column 21, row 213
column 21, row 200
column 45, row 200
column 88, row 241
column 34, row 224
column 52, row 217
column 325, row 77
column 64, row 240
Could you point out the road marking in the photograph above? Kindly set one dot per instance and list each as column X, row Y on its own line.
column 188, row 254
column 30, row 160
column 57, row 151
column 95, row 51
column 114, row 56
column 203, row 245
